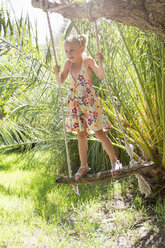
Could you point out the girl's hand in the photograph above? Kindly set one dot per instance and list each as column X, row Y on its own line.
column 56, row 69
column 99, row 56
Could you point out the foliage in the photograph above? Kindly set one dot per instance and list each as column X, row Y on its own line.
column 134, row 66
column 28, row 91
column 29, row 94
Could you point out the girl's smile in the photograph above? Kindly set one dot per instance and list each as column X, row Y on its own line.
column 73, row 52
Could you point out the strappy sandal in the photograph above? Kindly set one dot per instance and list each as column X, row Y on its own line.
column 116, row 166
column 79, row 175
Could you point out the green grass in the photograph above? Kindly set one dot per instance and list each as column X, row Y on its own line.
column 35, row 212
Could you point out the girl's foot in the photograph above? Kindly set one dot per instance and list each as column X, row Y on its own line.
column 116, row 166
column 81, row 172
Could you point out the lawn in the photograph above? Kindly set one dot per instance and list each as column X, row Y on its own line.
column 35, row 212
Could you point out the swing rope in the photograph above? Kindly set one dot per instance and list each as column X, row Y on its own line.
column 61, row 98
column 128, row 147
column 143, row 184
column 44, row 8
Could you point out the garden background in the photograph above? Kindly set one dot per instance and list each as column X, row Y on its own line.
column 34, row 211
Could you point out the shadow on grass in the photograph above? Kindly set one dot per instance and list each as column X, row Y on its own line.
column 155, row 235
column 150, row 226
column 5, row 167
column 152, row 239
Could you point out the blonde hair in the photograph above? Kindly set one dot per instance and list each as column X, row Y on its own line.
column 81, row 40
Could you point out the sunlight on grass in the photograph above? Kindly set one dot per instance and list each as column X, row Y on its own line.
column 35, row 212
column 16, row 182
column 13, row 208
column 124, row 220
column 87, row 218
column 9, row 161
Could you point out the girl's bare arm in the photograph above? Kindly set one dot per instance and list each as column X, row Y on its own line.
column 64, row 73
column 97, row 68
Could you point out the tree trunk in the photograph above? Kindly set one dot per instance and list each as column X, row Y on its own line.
column 144, row 14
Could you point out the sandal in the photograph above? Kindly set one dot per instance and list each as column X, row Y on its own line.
column 116, row 166
column 80, row 174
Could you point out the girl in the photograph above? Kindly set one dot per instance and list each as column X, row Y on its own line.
column 84, row 110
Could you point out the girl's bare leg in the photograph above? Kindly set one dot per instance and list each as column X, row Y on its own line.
column 83, row 148
column 106, row 142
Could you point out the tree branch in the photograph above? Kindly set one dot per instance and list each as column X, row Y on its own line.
column 144, row 14
column 106, row 175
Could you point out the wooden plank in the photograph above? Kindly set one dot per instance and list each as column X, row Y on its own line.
column 106, row 175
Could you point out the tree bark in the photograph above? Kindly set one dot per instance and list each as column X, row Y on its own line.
column 106, row 175
column 144, row 14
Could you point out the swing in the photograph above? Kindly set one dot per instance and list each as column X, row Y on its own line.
column 133, row 168
column 105, row 176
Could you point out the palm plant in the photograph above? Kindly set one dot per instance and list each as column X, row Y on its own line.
column 134, row 66
column 29, row 96
column 26, row 83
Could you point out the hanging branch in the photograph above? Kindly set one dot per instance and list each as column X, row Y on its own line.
column 144, row 14
column 106, row 175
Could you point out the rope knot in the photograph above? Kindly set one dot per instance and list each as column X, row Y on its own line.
column 91, row 18
column 44, row 5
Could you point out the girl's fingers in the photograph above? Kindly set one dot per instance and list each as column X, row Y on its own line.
column 100, row 56
column 56, row 69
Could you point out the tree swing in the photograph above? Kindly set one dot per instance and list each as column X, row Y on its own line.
column 133, row 168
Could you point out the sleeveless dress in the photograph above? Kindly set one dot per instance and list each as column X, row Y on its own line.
column 84, row 109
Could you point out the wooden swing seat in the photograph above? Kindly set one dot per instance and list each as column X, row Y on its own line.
column 106, row 175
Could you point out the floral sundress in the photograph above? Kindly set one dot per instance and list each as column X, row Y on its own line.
column 84, row 109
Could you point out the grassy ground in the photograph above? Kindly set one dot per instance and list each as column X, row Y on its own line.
column 35, row 212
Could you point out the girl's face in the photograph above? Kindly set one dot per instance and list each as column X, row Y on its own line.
column 73, row 52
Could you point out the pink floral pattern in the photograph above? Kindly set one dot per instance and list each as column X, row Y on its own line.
column 84, row 109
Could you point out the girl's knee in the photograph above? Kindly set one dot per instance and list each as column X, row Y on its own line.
column 100, row 134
